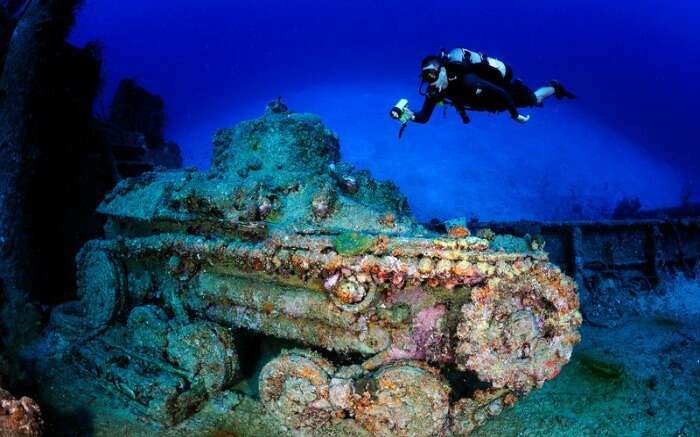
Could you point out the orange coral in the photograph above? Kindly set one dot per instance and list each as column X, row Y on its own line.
column 458, row 232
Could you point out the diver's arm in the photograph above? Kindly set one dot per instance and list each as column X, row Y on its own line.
column 473, row 81
column 426, row 111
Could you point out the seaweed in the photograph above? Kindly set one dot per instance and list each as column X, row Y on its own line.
column 352, row 243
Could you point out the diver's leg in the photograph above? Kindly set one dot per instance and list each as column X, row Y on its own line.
column 522, row 94
column 543, row 93
column 554, row 89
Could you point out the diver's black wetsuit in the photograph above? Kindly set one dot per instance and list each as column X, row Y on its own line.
column 480, row 87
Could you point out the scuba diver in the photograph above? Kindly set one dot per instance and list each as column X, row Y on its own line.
column 474, row 81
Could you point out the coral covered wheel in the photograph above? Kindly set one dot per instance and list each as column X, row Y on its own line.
column 467, row 414
column 294, row 387
column 519, row 329
column 206, row 352
column 404, row 400
column 101, row 285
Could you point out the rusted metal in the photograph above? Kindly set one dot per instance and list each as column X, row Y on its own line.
column 645, row 247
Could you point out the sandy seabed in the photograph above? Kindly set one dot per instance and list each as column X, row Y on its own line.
column 656, row 394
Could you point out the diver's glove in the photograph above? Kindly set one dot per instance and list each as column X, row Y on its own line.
column 441, row 83
column 522, row 119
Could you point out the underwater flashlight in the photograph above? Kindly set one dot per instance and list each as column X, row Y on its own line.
column 401, row 112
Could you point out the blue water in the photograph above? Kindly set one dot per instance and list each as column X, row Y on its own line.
column 632, row 132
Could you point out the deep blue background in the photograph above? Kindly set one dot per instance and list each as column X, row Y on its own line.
column 634, row 65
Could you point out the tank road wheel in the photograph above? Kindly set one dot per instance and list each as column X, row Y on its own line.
column 520, row 328
column 206, row 352
column 294, row 387
column 467, row 414
column 101, row 287
column 403, row 400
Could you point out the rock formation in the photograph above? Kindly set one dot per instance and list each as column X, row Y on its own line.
column 19, row 417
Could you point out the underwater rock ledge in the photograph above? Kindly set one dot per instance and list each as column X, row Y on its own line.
column 386, row 327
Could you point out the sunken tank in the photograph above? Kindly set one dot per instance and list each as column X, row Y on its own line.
column 403, row 331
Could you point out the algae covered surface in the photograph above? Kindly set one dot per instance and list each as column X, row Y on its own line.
column 352, row 243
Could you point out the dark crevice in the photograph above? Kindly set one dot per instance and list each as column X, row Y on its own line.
column 463, row 384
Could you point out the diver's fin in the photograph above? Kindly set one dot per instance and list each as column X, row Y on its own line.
column 403, row 128
column 560, row 92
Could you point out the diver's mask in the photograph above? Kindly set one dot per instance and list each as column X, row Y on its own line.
column 430, row 69
column 430, row 73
